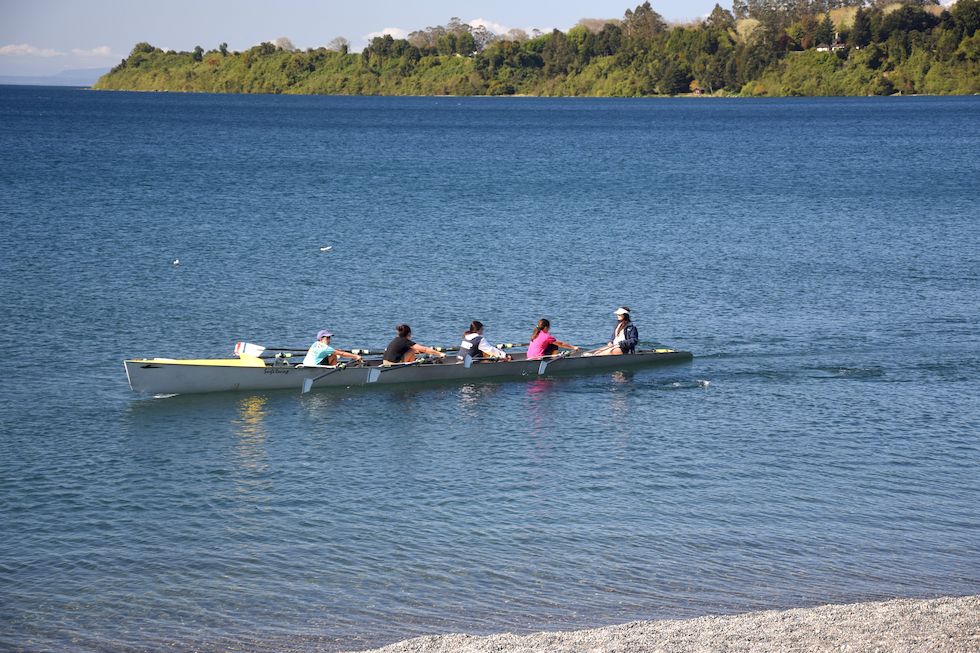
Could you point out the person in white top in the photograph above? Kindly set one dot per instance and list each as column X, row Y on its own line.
column 624, row 337
column 321, row 353
column 476, row 346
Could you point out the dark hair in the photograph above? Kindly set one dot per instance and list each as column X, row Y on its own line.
column 542, row 325
column 627, row 316
column 475, row 326
column 403, row 330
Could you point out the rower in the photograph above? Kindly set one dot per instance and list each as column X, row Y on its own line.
column 321, row 353
column 476, row 346
column 403, row 350
column 543, row 343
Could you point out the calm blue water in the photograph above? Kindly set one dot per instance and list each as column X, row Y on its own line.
column 820, row 257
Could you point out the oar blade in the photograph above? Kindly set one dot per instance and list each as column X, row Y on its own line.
column 248, row 349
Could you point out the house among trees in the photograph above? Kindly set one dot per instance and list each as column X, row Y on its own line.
column 837, row 45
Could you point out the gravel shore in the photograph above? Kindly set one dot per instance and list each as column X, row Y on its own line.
column 945, row 624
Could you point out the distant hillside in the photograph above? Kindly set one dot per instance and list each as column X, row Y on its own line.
column 756, row 49
column 76, row 77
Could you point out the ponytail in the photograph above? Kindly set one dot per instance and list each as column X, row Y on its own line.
column 475, row 326
column 403, row 330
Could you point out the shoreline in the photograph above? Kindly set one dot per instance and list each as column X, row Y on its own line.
column 947, row 624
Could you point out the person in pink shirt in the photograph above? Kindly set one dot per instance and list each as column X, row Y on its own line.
column 543, row 343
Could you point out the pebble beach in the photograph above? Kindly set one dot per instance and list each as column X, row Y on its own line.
column 948, row 625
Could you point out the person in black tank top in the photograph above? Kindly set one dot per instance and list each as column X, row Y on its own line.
column 402, row 349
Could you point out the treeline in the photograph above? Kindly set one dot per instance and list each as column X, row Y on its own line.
column 759, row 47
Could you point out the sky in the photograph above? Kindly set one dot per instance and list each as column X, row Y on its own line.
column 46, row 37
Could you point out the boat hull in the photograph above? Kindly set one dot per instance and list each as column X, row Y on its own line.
column 169, row 376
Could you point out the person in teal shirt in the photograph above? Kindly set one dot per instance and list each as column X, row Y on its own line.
column 321, row 353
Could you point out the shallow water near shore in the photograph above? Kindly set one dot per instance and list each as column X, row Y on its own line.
column 821, row 258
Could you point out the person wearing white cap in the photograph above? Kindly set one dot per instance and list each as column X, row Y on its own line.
column 624, row 337
column 321, row 353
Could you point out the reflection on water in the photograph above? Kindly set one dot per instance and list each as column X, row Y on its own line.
column 476, row 397
column 322, row 401
column 251, row 413
column 539, row 404
column 250, row 450
column 619, row 397
column 620, row 378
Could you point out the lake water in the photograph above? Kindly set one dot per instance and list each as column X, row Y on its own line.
column 821, row 258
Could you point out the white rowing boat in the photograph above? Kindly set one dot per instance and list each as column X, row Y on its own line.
column 165, row 376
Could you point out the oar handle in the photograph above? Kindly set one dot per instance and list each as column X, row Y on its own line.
column 288, row 352
column 503, row 345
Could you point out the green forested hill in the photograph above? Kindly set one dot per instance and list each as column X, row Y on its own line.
column 761, row 47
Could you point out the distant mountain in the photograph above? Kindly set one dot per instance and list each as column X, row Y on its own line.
column 73, row 77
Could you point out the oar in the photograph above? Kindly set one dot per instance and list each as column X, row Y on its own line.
column 308, row 383
column 248, row 349
column 251, row 349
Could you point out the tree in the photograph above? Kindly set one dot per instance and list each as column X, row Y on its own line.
column 466, row 44
column 966, row 14
column 969, row 49
column 283, row 43
column 558, row 54
column 861, row 31
column 223, row 49
column 482, row 37
column 674, row 79
column 446, row 44
column 609, row 40
column 198, row 53
column 142, row 48
column 339, row 44
column 824, row 33
column 643, row 23
column 720, row 19
column 908, row 18
column 740, row 9
column 594, row 25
